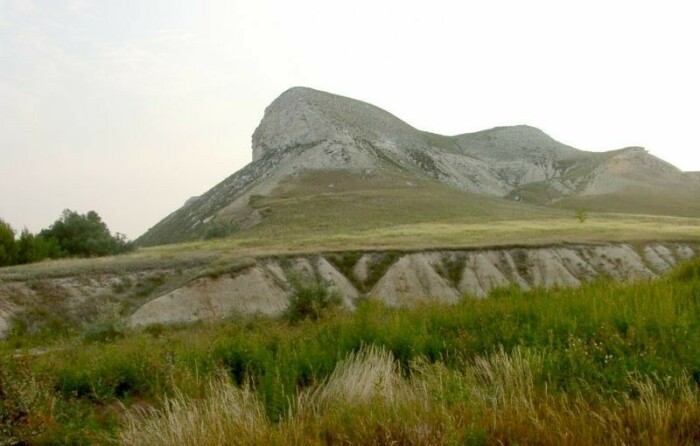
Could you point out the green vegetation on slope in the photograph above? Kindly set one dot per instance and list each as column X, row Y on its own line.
column 606, row 362
column 324, row 203
column 331, row 211
column 72, row 235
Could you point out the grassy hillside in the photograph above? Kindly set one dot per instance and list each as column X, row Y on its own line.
column 606, row 363
column 336, row 211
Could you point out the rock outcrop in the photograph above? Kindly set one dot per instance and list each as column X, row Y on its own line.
column 308, row 130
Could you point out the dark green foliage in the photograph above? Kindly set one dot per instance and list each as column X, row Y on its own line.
column 688, row 272
column 218, row 229
column 345, row 263
column 426, row 162
column 452, row 268
column 379, row 266
column 310, row 300
column 72, row 235
column 7, row 244
column 581, row 215
column 85, row 236
column 27, row 251
column 34, row 248
column 118, row 374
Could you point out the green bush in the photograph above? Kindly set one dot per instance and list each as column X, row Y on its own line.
column 109, row 326
column 310, row 300
column 218, row 229
column 7, row 244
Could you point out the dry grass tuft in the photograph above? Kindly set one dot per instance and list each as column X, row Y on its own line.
column 228, row 415
column 368, row 375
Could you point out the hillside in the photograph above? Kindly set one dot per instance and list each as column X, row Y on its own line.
column 324, row 149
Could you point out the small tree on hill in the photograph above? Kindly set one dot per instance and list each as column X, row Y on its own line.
column 27, row 248
column 582, row 215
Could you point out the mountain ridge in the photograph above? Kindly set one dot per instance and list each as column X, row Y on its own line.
column 306, row 130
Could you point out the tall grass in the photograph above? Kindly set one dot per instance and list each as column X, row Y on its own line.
column 606, row 363
column 367, row 400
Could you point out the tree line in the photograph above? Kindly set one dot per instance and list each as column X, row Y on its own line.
column 72, row 235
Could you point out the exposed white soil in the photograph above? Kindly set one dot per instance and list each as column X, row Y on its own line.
column 337, row 282
column 265, row 287
column 411, row 279
column 255, row 290
column 361, row 270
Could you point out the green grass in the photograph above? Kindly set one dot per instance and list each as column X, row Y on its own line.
column 330, row 211
column 593, row 347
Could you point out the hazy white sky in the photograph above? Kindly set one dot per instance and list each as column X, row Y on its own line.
column 131, row 107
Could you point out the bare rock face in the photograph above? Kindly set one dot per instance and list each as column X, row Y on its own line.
column 290, row 121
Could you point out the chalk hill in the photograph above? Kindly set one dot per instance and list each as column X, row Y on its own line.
column 314, row 149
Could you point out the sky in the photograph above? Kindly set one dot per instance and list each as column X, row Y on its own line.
column 131, row 107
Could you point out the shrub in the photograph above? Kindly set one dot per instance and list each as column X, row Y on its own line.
column 218, row 230
column 582, row 215
column 110, row 325
column 310, row 300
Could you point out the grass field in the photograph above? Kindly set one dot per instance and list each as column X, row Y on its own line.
column 328, row 211
column 268, row 241
column 606, row 363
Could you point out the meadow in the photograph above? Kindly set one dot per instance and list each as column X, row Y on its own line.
column 606, row 363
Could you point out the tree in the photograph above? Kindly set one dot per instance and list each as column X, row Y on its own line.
column 85, row 235
column 582, row 215
column 7, row 244
column 27, row 248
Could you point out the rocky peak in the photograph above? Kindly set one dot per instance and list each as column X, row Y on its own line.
column 514, row 142
column 303, row 117
column 289, row 121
